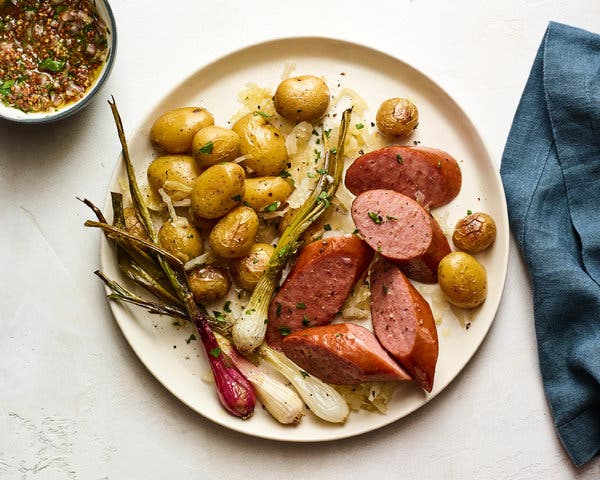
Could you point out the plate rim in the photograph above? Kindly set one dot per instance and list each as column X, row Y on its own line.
column 117, row 309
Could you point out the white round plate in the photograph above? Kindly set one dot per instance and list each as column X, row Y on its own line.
column 181, row 366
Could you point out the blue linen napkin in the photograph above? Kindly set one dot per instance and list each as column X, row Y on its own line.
column 551, row 175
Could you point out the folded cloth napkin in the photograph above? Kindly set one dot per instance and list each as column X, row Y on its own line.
column 551, row 175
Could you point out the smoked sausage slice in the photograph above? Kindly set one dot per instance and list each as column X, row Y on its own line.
column 401, row 230
column 403, row 322
column 317, row 286
column 342, row 353
column 426, row 174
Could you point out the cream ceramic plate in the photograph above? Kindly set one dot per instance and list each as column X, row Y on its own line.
column 180, row 366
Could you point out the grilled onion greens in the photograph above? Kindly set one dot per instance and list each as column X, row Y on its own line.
column 251, row 327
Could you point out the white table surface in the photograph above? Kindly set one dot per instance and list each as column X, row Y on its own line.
column 75, row 401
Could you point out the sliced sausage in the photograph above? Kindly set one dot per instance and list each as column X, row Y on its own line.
column 403, row 322
column 401, row 230
column 317, row 286
column 421, row 173
column 342, row 353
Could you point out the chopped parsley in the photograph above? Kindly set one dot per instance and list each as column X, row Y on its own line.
column 323, row 198
column 376, row 218
column 359, row 126
column 385, row 289
column 176, row 324
column 6, row 86
column 219, row 316
column 237, row 198
column 191, row 338
column 262, row 114
column 272, row 207
column 469, row 212
column 305, row 321
column 322, row 171
column 278, row 309
column 227, row 306
column 284, row 330
column 301, row 305
column 215, row 352
column 399, row 159
column 206, row 149
column 304, row 374
column 327, row 133
column 285, row 174
column 333, row 151
column 311, row 175
column 389, row 217
column 50, row 65
column 327, row 227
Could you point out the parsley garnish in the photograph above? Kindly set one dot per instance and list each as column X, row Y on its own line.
column 311, row 175
column 375, row 217
column 237, row 198
column 333, row 151
column 305, row 321
column 327, row 133
column 192, row 337
column 322, row 171
column 323, row 198
column 285, row 174
column 52, row 65
column 219, row 316
column 385, row 289
column 207, row 148
column 469, row 212
column 389, row 217
column 262, row 114
column 327, row 227
column 278, row 309
column 272, row 207
column 399, row 159
column 215, row 352
column 176, row 324
column 301, row 305
column 359, row 126
column 284, row 330
column 227, row 306
column 6, row 86
column 304, row 374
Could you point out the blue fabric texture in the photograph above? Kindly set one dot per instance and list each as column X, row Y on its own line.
column 551, row 175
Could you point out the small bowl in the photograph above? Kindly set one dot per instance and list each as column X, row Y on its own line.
column 16, row 115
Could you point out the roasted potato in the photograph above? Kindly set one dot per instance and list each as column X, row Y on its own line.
column 175, row 174
column 235, row 233
column 247, row 270
column 474, row 233
column 182, row 240
column 208, row 283
column 218, row 190
column 262, row 143
column 212, row 145
column 462, row 279
column 261, row 192
column 304, row 98
column 397, row 117
column 173, row 131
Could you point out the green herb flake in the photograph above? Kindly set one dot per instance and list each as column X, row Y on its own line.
column 237, row 198
column 359, row 126
column 215, row 352
column 322, row 171
column 219, row 316
column 285, row 174
column 262, row 114
column 311, row 175
column 301, row 305
column 304, row 374
column 317, row 154
column 355, row 231
column 282, row 251
column 333, row 151
column 272, row 207
column 191, row 338
column 389, row 217
column 207, row 148
column 399, row 159
column 6, row 86
column 378, row 248
column 327, row 227
column 327, row 133
column 305, row 321
column 176, row 324
column 284, row 330
column 377, row 219
column 278, row 309
column 323, row 198
column 50, row 65
column 469, row 212
column 227, row 306
column 385, row 289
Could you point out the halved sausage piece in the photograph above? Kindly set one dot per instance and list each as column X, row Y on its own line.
column 317, row 286
column 401, row 230
column 421, row 173
column 403, row 322
column 342, row 353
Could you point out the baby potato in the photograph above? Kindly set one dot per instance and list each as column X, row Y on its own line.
column 261, row 192
column 177, row 170
column 183, row 241
column 208, row 283
column 462, row 279
column 173, row 131
column 212, row 145
column 397, row 117
column 235, row 233
column 263, row 143
column 304, row 98
column 218, row 190
column 475, row 232
column 247, row 270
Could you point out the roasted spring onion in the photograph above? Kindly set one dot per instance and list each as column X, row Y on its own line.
column 250, row 328
column 233, row 389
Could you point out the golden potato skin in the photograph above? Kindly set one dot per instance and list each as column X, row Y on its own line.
column 235, row 233
column 176, row 168
column 208, row 283
column 475, row 232
column 183, row 241
column 218, row 190
column 263, row 143
column 173, row 131
column 397, row 117
column 247, row 270
column 261, row 192
column 213, row 144
column 462, row 279
column 304, row 98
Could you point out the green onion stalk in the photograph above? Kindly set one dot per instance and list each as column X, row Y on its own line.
column 233, row 389
column 250, row 328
